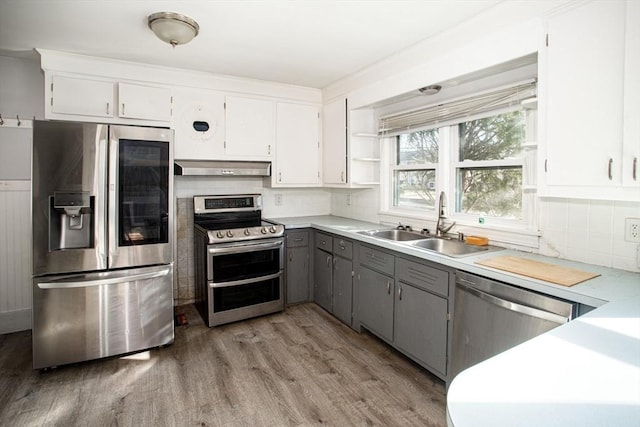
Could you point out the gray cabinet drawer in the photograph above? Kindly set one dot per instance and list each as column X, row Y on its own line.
column 297, row 238
column 324, row 241
column 377, row 260
column 422, row 276
column 343, row 248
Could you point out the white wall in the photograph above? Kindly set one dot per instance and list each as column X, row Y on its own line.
column 21, row 96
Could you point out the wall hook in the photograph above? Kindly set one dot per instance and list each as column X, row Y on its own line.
column 18, row 118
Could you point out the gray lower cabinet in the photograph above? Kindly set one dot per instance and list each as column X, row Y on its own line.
column 376, row 302
column 406, row 303
column 297, row 266
column 322, row 277
column 376, row 285
column 420, row 326
column 333, row 275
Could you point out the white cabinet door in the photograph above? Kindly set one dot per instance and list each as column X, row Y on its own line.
column 250, row 128
column 297, row 145
column 631, row 148
column 144, row 102
column 585, row 95
column 198, row 122
column 79, row 96
column 334, row 142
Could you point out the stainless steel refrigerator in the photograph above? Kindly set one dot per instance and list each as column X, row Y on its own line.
column 102, row 212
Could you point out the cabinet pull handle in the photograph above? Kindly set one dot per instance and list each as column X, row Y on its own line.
column 108, row 108
column 298, row 239
column 610, row 172
column 329, row 261
column 388, row 288
column 123, row 108
column 634, row 170
column 400, row 293
column 334, row 262
column 290, row 256
column 269, row 149
column 279, row 176
column 342, row 176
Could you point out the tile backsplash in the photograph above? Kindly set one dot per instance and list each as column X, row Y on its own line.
column 590, row 231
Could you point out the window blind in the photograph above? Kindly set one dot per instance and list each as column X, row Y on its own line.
column 457, row 110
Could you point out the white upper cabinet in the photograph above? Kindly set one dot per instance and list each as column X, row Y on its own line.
column 90, row 99
column 631, row 148
column 79, row 96
column 297, row 160
column 250, row 128
column 198, row 122
column 144, row 102
column 586, row 84
column 334, row 142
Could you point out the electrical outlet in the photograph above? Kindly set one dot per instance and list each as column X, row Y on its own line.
column 632, row 230
column 348, row 199
column 278, row 198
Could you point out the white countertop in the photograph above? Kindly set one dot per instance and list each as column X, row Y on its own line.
column 584, row 373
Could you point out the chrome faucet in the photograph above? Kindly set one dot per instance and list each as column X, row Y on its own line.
column 441, row 228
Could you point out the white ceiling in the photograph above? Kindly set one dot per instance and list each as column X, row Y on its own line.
column 305, row 42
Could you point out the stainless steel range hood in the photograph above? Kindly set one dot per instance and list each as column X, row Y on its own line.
column 221, row 168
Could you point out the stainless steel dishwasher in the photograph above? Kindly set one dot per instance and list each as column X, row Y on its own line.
column 491, row 317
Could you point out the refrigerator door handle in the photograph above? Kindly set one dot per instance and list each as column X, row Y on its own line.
column 112, row 192
column 85, row 283
column 101, row 198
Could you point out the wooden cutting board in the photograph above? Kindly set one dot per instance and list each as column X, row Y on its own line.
column 539, row 270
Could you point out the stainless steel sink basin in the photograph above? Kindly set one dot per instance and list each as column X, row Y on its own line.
column 442, row 245
column 397, row 235
column 452, row 248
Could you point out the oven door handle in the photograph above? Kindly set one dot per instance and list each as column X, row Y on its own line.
column 236, row 249
column 244, row 281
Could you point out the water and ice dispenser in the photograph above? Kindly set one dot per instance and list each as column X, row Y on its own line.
column 71, row 219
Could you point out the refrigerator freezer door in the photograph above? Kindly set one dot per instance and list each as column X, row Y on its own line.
column 140, row 196
column 94, row 315
column 68, row 197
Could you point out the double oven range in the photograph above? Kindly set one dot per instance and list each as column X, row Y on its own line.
column 239, row 259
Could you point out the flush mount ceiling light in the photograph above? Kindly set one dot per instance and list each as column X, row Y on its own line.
column 173, row 28
column 430, row 90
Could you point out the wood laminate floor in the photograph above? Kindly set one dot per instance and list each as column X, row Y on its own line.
column 296, row 368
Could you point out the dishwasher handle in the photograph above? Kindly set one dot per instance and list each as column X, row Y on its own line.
column 509, row 305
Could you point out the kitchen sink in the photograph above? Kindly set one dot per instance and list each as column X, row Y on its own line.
column 452, row 248
column 442, row 245
column 397, row 235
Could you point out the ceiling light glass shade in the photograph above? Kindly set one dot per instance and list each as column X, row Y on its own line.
column 430, row 90
column 173, row 28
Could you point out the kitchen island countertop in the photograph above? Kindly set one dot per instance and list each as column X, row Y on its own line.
column 585, row 373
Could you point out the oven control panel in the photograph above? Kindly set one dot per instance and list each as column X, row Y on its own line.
column 249, row 233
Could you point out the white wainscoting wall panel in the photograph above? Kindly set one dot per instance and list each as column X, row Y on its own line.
column 15, row 256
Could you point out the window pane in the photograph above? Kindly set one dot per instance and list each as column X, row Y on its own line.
column 492, row 138
column 490, row 191
column 418, row 147
column 414, row 188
